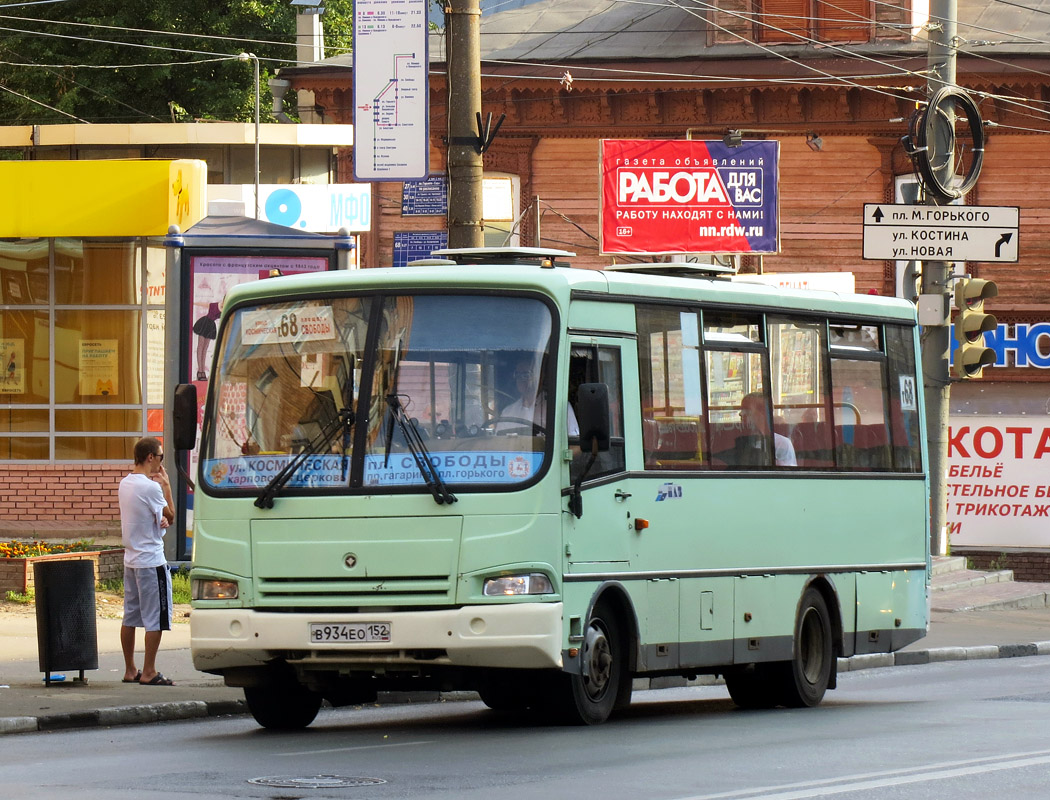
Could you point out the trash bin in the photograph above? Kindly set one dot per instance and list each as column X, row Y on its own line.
column 65, row 616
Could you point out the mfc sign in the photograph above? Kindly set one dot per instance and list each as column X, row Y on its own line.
column 689, row 197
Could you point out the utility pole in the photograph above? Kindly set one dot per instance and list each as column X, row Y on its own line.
column 465, row 169
column 940, row 62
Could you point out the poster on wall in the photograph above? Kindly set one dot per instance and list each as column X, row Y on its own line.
column 660, row 196
column 13, row 364
column 98, row 366
column 999, row 482
column 211, row 277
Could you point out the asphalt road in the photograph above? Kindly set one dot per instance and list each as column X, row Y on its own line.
column 954, row 730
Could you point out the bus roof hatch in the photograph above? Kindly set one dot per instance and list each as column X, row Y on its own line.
column 528, row 256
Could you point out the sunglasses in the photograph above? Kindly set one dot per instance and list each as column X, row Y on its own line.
column 158, row 456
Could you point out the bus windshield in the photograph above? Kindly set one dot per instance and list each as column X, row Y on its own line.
column 361, row 392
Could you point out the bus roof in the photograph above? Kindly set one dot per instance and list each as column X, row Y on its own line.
column 438, row 274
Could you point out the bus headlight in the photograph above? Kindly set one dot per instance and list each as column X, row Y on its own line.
column 210, row 589
column 533, row 583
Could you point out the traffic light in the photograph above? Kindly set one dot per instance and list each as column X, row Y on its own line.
column 971, row 323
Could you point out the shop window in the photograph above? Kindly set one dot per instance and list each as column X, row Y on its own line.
column 95, row 272
column 98, row 358
column 94, row 448
column 25, row 348
column 75, row 315
column 24, row 448
column 23, row 272
column 24, row 420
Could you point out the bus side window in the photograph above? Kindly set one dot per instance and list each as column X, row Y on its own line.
column 588, row 364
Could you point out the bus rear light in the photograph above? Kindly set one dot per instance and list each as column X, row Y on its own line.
column 213, row 590
column 509, row 585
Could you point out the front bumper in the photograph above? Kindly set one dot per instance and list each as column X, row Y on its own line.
column 519, row 635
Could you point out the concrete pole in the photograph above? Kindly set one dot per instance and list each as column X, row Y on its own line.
column 935, row 281
column 463, row 57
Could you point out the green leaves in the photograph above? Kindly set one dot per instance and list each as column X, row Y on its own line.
column 163, row 59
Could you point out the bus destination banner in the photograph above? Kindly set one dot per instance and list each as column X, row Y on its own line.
column 326, row 470
column 689, row 197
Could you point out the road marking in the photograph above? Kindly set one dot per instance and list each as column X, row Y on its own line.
column 348, row 749
column 876, row 780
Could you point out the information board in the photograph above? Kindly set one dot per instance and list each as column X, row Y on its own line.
column 412, row 245
column 425, row 198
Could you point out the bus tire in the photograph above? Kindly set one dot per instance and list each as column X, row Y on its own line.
column 592, row 694
column 752, row 686
column 805, row 678
column 283, row 707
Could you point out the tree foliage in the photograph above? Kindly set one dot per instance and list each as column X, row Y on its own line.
column 131, row 60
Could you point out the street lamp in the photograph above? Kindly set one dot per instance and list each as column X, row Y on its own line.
column 255, row 63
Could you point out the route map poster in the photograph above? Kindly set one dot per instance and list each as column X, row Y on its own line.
column 391, row 114
column 689, row 197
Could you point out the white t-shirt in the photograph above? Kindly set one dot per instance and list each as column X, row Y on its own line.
column 536, row 412
column 142, row 507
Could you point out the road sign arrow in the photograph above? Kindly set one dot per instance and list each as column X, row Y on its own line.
column 1003, row 239
column 878, row 215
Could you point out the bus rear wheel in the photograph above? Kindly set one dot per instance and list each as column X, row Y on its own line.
column 590, row 696
column 805, row 679
column 282, row 707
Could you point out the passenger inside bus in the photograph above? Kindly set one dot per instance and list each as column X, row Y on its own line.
column 752, row 449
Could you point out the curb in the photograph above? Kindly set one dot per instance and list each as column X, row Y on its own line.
column 123, row 715
column 194, row 709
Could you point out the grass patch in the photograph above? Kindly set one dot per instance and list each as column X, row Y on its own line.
column 111, row 586
column 180, row 586
column 19, row 597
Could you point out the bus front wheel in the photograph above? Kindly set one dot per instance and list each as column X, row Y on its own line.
column 806, row 677
column 284, row 707
column 595, row 691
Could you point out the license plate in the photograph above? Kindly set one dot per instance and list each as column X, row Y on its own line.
column 349, row 632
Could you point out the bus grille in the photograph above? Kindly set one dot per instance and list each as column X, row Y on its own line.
column 305, row 591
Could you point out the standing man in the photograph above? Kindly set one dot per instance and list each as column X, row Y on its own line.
column 146, row 508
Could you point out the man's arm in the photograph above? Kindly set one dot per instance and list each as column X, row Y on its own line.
column 161, row 477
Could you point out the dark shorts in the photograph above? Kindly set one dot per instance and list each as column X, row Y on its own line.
column 147, row 598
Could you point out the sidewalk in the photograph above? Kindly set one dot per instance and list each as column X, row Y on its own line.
column 27, row 705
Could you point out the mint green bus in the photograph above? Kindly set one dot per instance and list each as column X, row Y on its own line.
column 490, row 471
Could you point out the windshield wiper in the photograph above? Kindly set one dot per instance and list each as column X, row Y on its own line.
column 342, row 421
column 431, row 477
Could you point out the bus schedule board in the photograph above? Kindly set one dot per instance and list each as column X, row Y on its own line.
column 663, row 197
column 391, row 68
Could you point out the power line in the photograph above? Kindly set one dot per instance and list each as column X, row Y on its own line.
column 45, row 105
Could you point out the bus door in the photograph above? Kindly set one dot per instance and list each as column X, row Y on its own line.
column 601, row 539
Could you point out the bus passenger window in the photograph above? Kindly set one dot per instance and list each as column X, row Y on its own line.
column 670, row 383
column 588, row 364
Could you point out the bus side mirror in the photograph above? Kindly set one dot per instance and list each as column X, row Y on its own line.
column 184, row 416
column 592, row 414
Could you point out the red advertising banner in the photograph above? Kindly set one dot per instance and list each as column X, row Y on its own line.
column 660, row 197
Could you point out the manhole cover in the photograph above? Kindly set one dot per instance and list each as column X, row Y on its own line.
column 314, row 781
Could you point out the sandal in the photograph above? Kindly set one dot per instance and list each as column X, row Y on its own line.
column 136, row 679
column 158, row 680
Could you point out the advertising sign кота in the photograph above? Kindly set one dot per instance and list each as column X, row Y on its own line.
column 689, row 197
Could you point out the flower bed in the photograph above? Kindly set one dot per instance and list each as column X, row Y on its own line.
column 17, row 560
